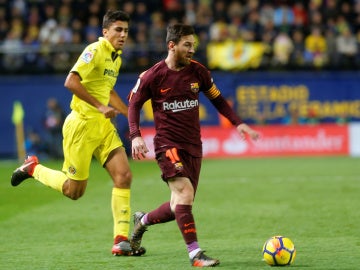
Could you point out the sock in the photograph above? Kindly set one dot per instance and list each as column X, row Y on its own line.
column 51, row 178
column 186, row 223
column 193, row 253
column 160, row 215
column 144, row 220
column 120, row 206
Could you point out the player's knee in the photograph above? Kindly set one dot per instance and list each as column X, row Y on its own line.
column 72, row 190
column 74, row 195
column 123, row 180
column 127, row 176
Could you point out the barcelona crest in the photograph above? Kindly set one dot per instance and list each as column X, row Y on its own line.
column 194, row 87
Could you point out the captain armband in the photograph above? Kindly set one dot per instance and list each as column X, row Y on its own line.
column 213, row 92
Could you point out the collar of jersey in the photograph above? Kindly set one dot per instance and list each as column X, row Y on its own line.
column 108, row 45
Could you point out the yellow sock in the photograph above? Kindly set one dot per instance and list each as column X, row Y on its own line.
column 51, row 178
column 120, row 206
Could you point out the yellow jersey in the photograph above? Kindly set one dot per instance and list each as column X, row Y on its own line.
column 98, row 66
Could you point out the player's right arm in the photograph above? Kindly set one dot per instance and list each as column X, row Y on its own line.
column 73, row 83
column 137, row 98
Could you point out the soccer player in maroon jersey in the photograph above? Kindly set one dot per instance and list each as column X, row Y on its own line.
column 173, row 85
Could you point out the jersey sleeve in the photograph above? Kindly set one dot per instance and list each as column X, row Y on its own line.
column 220, row 103
column 223, row 107
column 85, row 63
column 137, row 97
column 205, row 76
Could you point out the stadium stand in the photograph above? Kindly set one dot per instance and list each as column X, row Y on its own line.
column 44, row 36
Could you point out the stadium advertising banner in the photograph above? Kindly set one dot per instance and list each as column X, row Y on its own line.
column 271, row 98
column 354, row 139
column 261, row 98
column 277, row 140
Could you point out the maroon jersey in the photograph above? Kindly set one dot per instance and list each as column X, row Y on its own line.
column 175, row 102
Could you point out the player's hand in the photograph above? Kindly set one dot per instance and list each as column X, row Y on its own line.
column 108, row 112
column 244, row 129
column 138, row 148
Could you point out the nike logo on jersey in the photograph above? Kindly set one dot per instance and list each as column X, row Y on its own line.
column 165, row 90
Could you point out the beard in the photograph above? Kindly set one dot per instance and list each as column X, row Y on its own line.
column 183, row 61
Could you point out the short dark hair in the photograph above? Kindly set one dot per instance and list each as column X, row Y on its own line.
column 176, row 31
column 112, row 16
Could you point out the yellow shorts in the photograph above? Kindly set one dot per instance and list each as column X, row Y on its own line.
column 85, row 138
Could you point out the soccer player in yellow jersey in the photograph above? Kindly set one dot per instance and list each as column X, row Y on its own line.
column 88, row 130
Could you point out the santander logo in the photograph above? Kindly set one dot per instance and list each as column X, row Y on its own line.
column 234, row 144
column 274, row 141
column 318, row 142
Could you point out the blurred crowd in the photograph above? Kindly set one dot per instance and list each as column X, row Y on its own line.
column 47, row 36
column 47, row 142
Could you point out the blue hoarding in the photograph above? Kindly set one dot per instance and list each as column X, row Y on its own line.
column 257, row 97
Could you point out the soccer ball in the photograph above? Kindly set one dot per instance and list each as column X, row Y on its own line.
column 279, row 251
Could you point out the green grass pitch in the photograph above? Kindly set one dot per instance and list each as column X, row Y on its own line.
column 240, row 204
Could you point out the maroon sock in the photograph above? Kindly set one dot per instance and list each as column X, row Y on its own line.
column 186, row 223
column 161, row 215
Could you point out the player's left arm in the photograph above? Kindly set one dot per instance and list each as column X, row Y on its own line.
column 221, row 104
column 223, row 107
column 118, row 103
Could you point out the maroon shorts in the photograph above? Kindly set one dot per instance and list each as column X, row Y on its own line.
column 174, row 162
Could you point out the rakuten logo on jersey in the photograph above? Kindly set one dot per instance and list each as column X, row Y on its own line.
column 177, row 106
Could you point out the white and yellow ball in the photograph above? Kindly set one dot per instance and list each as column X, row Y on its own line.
column 279, row 251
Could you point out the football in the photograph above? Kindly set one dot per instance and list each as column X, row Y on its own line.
column 279, row 251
